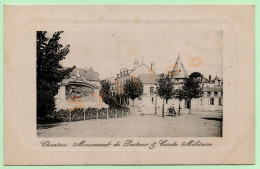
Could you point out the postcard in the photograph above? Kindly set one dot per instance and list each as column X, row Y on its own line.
column 129, row 84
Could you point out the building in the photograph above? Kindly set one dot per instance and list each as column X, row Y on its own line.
column 212, row 98
column 144, row 73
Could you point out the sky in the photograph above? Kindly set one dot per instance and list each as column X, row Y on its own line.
column 109, row 51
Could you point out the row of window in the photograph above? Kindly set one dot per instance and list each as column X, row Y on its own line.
column 212, row 101
column 208, row 93
column 205, row 93
column 215, row 93
column 151, row 91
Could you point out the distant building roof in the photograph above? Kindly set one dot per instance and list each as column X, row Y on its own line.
column 88, row 74
column 213, row 89
column 216, row 78
column 148, row 78
column 179, row 72
column 111, row 79
column 204, row 80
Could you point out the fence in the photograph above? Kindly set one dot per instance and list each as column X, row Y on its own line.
column 89, row 113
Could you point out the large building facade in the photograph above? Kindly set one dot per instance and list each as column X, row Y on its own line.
column 212, row 98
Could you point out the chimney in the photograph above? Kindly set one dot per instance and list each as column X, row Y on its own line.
column 136, row 64
column 209, row 78
column 153, row 66
column 124, row 71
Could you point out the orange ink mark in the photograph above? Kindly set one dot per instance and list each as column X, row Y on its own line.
column 103, row 93
column 151, row 74
column 119, row 87
column 195, row 62
column 170, row 72
column 98, row 97
column 72, row 101
column 135, row 80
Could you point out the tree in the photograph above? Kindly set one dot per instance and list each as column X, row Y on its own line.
column 106, row 95
column 133, row 88
column 49, row 71
column 165, row 89
column 180, row 95
column 105, row 91
column 192, row 87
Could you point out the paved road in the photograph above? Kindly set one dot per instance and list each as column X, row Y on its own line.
column 198, row 124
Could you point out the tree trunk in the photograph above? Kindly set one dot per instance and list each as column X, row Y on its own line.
column 190, row 107
column 155, row 105
column 133, row 105
column 163, row 109
column 179, row 112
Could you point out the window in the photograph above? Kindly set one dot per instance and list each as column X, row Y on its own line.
column 219, row 101
column 212, row 101
column 221, row 93
column 152, row 100
column 151, row 89
column 208, row 93
column 215, row 93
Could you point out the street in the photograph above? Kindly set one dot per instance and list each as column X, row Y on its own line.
column 197, row 124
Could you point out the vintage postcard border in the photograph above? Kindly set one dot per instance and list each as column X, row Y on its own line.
column 80, row 2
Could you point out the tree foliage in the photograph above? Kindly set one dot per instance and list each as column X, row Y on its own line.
column 165, row 89
column 192, row 86
column 105, row 90
column 106, row 95
column 133, row 88
column 49, row 71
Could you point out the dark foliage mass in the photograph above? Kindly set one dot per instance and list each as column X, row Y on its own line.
column 106, row 95
column 49, row 71
column 133, row 88
column 193, row 87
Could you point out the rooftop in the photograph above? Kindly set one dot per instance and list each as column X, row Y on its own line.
column 88, row 74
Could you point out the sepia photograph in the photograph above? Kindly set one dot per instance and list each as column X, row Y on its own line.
column 145, row 84
column 129, row 84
